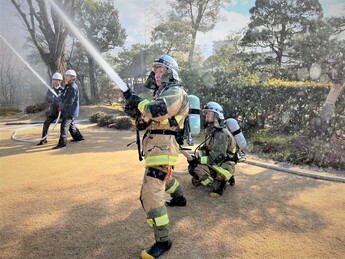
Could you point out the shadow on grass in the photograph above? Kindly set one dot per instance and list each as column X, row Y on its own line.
column 103, row 219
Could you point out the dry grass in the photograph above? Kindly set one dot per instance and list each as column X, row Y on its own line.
column 82, row 202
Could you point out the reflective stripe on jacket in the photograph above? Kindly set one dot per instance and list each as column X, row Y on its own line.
column 219, row 144
column 160, row 149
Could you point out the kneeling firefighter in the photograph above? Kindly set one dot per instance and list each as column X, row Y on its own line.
column 162, row 119
column 213, row 164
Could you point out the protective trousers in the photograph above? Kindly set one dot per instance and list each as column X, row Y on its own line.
column 47, row 123
column 206, row 174
column 68, row 125
column 152, row 200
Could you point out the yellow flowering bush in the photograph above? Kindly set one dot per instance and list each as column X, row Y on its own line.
column 274, row 82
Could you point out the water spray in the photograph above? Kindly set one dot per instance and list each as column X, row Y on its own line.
column 91, row 49
column 32, row 70
column 14, row 137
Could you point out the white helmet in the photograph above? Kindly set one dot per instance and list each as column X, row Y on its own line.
column 169, row 63
column 57, row 76
column 71, row 72
column 216, row 108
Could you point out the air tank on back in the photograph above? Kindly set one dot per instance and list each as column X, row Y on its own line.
column 236, row 131
column 194, row 115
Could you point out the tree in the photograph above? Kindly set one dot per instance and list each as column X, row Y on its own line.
column 46, row 29
column 99, row 21
column 78, row 60
column 134, row 63
column 232, row 66
column 311, row 47
column 275, row 23
column 322, row 51
column 202, row 15
column 334, row 66
column 319, row 45
column 10, row 76
column 173, row 36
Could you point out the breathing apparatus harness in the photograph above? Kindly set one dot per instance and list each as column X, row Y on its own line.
column 142, row 125
column 233, row 157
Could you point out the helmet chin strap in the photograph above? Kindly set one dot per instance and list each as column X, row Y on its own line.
column 167, row 77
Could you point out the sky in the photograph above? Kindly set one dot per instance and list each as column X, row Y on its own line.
column 139, row 17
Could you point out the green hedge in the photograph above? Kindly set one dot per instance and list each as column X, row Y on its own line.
column 284, row 108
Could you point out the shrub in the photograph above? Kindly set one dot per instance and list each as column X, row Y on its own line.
column 8, row 111
column 97, row 116
column 274, row 82
column 122, row 123
column 36, row 107
column 117, row 106
column 106, row 120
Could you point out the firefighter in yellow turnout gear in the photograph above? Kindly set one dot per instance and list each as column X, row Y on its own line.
column 213, row 164
column 162, row 117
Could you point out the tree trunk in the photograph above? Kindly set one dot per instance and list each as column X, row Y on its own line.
column 322, row 126
column 328, row 108
column 93, row 80
column 83, row 91
column 60, row 63
column 47, row 31
column 191, row 52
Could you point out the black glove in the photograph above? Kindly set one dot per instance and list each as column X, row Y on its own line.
column 140, row 124
column 235, row 158
column 179, row 137
column 191, row 167
column 131, row 106
column 193, row 163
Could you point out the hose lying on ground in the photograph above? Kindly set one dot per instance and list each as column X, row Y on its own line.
column 15, row 138
column 272, row 167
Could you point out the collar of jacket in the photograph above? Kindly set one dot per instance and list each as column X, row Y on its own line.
column 165, row 87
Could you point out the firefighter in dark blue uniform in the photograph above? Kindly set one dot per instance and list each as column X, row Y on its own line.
column 54, row 107
column 69, row 110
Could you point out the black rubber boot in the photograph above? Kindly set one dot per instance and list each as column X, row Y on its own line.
column 78, row 139
column 59, row 146
column 177, row 201
column 42, row 142
column 156, row 250
column 196, row 182
column 219, row 191
column 232, row 181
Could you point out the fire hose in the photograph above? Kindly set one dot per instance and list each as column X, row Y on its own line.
column 187, row 154
column 15, row 138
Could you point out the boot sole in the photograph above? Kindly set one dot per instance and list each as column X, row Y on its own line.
column 145, row 255
column 214, row 195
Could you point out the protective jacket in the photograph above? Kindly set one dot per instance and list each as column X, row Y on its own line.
column 166, row 114
column 54, row 100
column 70, row 101
column 218, row 150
